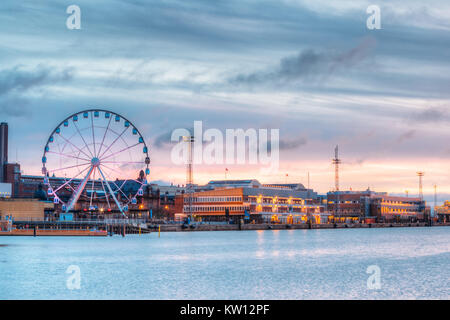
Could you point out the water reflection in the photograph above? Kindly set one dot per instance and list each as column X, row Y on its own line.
column 270, row 264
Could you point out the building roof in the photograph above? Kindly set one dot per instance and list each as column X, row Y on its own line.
column 293, row 186
column 235, row 183
column 282, row 193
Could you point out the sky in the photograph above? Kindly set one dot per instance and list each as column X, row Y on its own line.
column 310, row 68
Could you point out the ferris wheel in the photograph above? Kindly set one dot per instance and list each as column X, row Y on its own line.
column 95, row 156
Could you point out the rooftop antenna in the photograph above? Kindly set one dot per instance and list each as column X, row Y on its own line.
column 407, row 193
column 308, row 186
column 435, row 199
column 189, row 173
column 336, row 162
column 226, row 173
column 420, row 174
column 308, row 180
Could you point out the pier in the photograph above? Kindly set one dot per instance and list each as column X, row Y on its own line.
column 76, row 228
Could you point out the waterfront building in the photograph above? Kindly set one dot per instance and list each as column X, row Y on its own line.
column 24, row 209
column 442, row 213
column 356, row 206
column 387, row 208
column 234, row 199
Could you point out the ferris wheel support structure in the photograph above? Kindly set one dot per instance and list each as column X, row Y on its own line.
column 111, row 192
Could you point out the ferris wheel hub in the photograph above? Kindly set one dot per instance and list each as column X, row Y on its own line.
column 95, row 162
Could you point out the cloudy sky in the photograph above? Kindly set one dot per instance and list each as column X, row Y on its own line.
column 310, row 68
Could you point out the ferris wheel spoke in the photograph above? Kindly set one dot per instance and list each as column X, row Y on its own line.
column 82, row 138
column 109, row 147
column 93, row 135
column 106, row 194
column 123, row 150
column 118, row 172
column 69, row 142
column 104, row 136
column 120, row 188
column 124, row 162
column 92, row 190
column 68, row 155
column 71, row 167
column 67, row 182
column 111, row 192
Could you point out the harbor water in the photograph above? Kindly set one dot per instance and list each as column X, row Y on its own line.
column 411, row 263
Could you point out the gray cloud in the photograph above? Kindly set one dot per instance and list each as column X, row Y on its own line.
column 164, row 139
column 18, row 79
column 406, row 136
column 15, row 82
column 292, row 144
column 309, row 65
column 432, row 114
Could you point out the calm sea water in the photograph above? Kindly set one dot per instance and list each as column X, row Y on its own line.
column 288, row 264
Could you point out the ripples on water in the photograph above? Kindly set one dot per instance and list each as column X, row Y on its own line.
column 272, row 264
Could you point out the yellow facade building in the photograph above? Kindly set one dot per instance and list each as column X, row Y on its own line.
column 23, row 209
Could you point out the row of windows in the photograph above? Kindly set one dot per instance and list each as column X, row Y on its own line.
column 384, row 202
column 345, row 202
column 399, row 203
column 349, row 211
column 214, row 199
column 215, row 208
column 276, row 200
column 393, row 210
column 396, row 202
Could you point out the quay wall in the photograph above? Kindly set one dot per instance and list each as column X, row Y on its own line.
column 235, row 227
